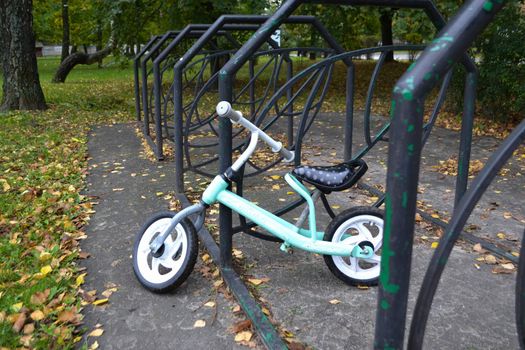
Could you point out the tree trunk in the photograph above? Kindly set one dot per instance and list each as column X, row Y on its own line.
column 65, row 30
column 313, row 42
column 21, row 86
column 78, row 58
column 99, row 41
column 386, row 32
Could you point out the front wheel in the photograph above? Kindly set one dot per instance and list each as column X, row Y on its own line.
column 175, row 259
column 362, row 226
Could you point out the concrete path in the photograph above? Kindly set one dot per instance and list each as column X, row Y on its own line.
column 126, row 185
column 473, row 309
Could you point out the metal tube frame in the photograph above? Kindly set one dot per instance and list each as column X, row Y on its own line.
column 190, row 54
column 404, row 161
column 388, row 334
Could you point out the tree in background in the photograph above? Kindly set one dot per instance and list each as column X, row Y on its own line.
column 385, row 18
column 21, row 86
column 501, row 86
column 65, row 30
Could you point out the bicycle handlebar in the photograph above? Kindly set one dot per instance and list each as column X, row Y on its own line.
column 225, row 110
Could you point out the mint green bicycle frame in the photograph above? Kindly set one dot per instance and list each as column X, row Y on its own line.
column 293, row 236
column 309, row 240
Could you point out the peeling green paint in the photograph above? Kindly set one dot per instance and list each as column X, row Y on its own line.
column 428, row 76
column 404, row 200
column 410, row 149
column 273, row 24
column 407, row 95
column 412, row 66
column 441, row 43
column 443, row 260
column 385, row 305
column 488, row 6
column 411, row 128
column 410, row 83
column 392, row 108
column 387, row 253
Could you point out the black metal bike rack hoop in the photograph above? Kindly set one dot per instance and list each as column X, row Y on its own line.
column 407, row 137
column 226, row 79
column 404, row 157
column 158, row 50
column 219, row 24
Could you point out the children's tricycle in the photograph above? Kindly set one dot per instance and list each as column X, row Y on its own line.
column 166, row 248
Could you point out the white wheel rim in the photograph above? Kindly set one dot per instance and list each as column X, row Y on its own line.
column 352, row 267
column 161, row 269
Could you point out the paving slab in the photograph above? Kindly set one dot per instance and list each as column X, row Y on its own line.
column 125, row 185
column 473, row 309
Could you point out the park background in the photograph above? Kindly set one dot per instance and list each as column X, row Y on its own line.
column 43, row 153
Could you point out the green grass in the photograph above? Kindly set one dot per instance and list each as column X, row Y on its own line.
column 42, row 171
column 85, row 84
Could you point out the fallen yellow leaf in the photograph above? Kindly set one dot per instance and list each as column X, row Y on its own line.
column 265, row 311
column 255, row 281
column 80, row 280
column 210, row 304
column 44, row 256
column 37, row 315
column 218, row 283
column 96, row 332
column 16, row 307
column 243, row 336
column 434, row 245
column 100, row 301
column 478, row 248
column 199, row 324
column 508, row 266
column 45, row 270
column 490, row 259
column 107, row 293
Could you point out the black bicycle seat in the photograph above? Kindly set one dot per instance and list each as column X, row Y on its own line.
column 332, row 178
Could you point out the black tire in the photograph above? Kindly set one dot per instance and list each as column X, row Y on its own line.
column 339, row 266
column 184, row 258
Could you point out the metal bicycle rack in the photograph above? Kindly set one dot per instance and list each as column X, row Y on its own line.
column 402, row 179
column 406, row 134
column 181, row 142
column 162, row 53
column 163, row 115
column 400, row 199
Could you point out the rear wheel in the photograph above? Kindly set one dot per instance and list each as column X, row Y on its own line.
column 362, row 226
column 175, row 260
